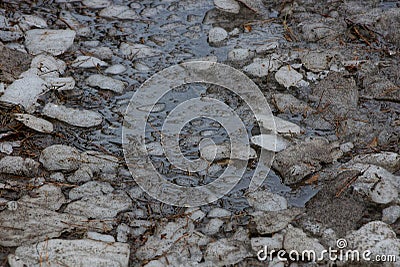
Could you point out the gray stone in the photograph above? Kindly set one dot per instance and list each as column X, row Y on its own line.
column 60, row 158
column 391, row 214
column 46, row 197
column 60, row 84
column 100, row 164
column 274, row 221
column 123, row 232
column 287, row 76
column 218, row 152
column 82, row 252
column 138, row 51
column 273, row 243
column 100, row 237
column 388, row 160
column 27, row 225
column 55, row 42
column 225, row 252
column 270, row 142
column 296, row 162
column 75, row 117
column 239, row 54
column 90, row 189
column 287, row 102
column 57, row 177
column 47, row 66
column 217, row 35
column 281, row 126
column 115, row 69
column 81, row 175
column 104, row 82
column 119, row 12
column 219, row 213
column 100, row 206
column 35, row 123
column 230, row 6
column 96, row 4
column 296, row 239
column 213, row 226
column 267, row 201
column 262, row 67
column 19, row 166
column 25, row 92
column 31, row 21
column 316, row 61
column 269, row 47
column 88, row 62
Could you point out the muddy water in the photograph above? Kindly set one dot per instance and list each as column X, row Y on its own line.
column 179, row 30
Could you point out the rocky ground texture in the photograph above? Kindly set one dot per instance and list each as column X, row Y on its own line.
column 68, row 68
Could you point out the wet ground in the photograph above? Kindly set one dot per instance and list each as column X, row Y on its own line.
column 347, row 55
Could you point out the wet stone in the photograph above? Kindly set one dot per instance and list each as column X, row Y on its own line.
column 55, row 42
column 75, row 117
column 60, row 158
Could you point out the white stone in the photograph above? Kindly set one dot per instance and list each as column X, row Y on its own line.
column 105, row 82
column 346, row 147
column 287, row 76
column 82, row 252
column 47, row 66
column 25, row 92
column 267, row 201
column 391, row 214
column 262, row 67
column 89, row 189
column 29, row 21
column 385, row 159
column 119, row 12
column 75, row 117
column 88, row 62
column 115, row 69
column 217, row 35
column 60, row 157
column 282, row 126
column 270, row 142
column 238, row 54
column 137, row 51
column 123, row 231
column 55, row 42
column 230, row 6
column 35, row 123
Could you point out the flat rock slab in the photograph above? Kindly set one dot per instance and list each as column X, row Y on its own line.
column 287, row 76
column 25, row 92
column 83, row 252
column 230, row 6
column 119, row 12
column 75, row 117
column 105, row 82
column 262, row 67
column 269, row 222
column 60, row 158
column 137, row 51
column 12, row 63
column 267, row 201
column 100, row 206
column 225, row 252
column 28, row 224
column 35, row 123
column 281, row 126
column 47, row 197
column 55, row 42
